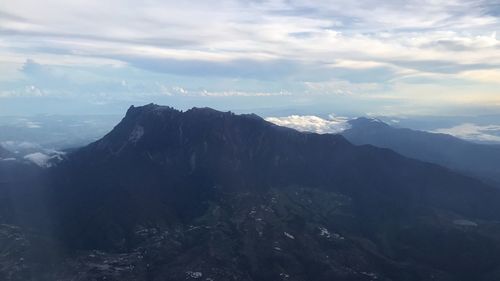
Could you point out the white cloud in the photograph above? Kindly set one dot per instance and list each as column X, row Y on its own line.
column 473, row 132
column 33, row 125
column 20, row 145
column 313, row 124
column 304, row 46
column 47, row 159
column 39, row 159
column 364, row 30
column 485, row 75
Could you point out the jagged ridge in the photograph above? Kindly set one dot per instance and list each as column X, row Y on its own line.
column 209, row 194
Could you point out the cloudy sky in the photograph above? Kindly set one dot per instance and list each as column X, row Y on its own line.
column 433, row 57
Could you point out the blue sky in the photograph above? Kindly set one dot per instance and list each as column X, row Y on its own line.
column 431, row 57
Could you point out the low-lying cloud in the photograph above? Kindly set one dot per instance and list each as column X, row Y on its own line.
column 308, row 123
column 474, row 132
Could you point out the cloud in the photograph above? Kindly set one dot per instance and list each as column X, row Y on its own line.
column 485, row 75
column 247, row 68
column 47, row 159
column 474, row 132
column 340, row 87
column 8, row 159
column 243, row 94
column 20, row 145
column 313, row 124
column 39, row 159
column 237, row 31
column 87, row 48
column 33, row 125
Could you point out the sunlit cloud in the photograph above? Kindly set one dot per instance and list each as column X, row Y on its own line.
column 484, row 75
column 308, row 123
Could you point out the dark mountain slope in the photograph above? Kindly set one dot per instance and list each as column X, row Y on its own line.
column 208, row 195
column 479, row 160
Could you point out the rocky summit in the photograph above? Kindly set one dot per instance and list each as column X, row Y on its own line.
column 210, row 195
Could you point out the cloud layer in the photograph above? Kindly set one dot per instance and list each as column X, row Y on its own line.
column 474, row 132
column 332, row 125
column 388, row 55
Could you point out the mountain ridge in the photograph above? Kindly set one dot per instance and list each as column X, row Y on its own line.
column 478, row 160
column 176, row 195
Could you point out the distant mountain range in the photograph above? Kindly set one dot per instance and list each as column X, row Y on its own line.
column 209, row 195
column 479, row 160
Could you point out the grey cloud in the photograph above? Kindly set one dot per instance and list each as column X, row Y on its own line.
column 246, row 68
column 165, row 42
column 32, row 67
column 452, row 45
column 490, row 7
column 444, row 67
column 9, row 16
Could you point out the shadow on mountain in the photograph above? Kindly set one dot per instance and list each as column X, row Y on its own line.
column 209, row 195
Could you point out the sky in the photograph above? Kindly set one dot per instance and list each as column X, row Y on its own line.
column 278, row 58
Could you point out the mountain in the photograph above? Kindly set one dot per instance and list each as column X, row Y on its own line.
column 209, row 195
column 479, row 160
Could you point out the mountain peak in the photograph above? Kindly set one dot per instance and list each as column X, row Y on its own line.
column 173, row 194
column 204, row 110
column 135, row 112
column 162, row 128
column 149, row 108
